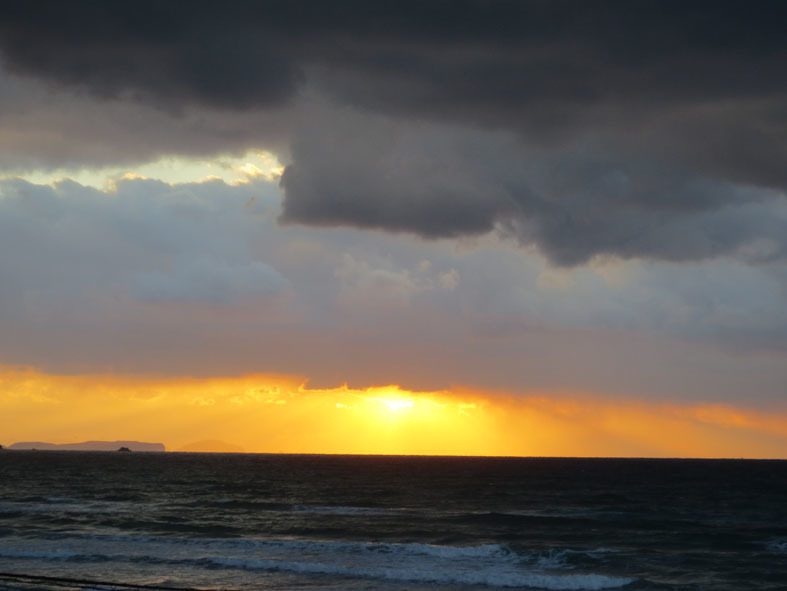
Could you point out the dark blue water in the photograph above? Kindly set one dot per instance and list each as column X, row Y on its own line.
column 246, row 521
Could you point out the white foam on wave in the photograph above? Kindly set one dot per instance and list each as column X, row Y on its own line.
column 777, row 546
column 471, row 576
column 60, row 500
column 555, row 559
column 493, row 565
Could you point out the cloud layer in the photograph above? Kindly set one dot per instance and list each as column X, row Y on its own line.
column 200, row 279
column 574, row 203
column 630, row 130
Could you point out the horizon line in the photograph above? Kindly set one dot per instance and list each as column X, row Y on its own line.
column 393, row 455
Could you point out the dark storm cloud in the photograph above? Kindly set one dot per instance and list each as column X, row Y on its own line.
column 440, row 181
column 166, row 53
column 448, row 57
column 44, row 128
column 636, row 129
column 380, row 175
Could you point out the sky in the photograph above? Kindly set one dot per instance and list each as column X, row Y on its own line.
column 465, row 227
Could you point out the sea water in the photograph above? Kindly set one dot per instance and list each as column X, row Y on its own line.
column 103, row 520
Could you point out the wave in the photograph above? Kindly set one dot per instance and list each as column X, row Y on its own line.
column 559, row 558
column 487, row 577
column 56, row 555
column 492, row 565
column 550, row 559
column 411, row 549
column 60, row 500
column 332, row 546
column 777, row 546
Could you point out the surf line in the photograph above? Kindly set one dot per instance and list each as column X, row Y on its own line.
column 25, row 579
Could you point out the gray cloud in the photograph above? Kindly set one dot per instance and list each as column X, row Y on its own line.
column 572, row 202
column 206, row 280
column 387, row 176
column 44, row 127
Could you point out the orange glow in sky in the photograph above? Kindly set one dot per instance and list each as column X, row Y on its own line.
column 262, row 413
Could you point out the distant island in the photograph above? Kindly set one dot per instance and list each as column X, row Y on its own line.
column 90, row 446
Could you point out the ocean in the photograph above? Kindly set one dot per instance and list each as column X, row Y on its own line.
column 108, row 520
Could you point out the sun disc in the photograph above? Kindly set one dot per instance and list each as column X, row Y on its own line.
column 398, row 403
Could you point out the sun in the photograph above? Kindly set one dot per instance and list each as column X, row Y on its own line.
column 397, row 404
column 390, row 398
